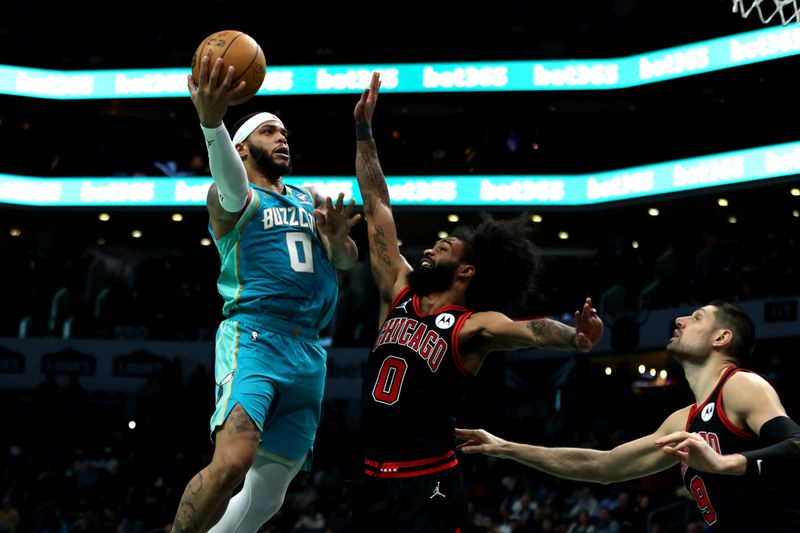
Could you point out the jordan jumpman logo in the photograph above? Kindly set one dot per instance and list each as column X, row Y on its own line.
column 403, row 306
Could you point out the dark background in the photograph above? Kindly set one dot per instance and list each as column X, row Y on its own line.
column 55, row 463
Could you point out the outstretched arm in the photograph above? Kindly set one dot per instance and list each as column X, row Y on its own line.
column 389, row 267
column 500, row 333
column 334, row 223
column 631, row 460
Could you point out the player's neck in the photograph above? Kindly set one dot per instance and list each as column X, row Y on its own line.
column 270, row 183
column 436, row 300
column 703, row 378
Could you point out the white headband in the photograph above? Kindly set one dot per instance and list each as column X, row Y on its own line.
column 252, row 123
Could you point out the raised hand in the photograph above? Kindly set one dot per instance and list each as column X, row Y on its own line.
column 212, row 93
column 335, row 221
column 369, row 98
column 588, row 327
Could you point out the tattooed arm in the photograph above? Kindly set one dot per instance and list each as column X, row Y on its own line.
column 389, row 267
column 500, row 333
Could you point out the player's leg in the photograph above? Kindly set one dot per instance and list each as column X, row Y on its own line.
column 244, row 395
column 288, row 435
column 442, row 501
column 261, row 497
column 209, row 490
column 434, row 502
column 374, row 504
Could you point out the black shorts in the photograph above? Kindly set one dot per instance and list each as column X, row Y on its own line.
column 430, row 503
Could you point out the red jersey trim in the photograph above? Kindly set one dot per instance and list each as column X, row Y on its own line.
column 724, row 418
column 403, row 292
column 405, row 469
column 454, row 342
column 696, row 409
column 418, row 309
column 692, row 414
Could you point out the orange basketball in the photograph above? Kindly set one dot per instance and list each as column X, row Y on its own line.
column 238, row 50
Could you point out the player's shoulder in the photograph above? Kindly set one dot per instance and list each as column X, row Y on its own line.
column 746, row 388
column 482, row 323
column 482, row 319
column 676, row 421
column 749, row 381
column 479, row 316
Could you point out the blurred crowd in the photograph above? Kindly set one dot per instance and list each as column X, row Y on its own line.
column 61, row 284
column 70, row 459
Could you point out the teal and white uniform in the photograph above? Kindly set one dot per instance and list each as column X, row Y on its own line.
column 279, row 290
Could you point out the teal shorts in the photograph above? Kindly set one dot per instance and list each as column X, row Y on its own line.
column 276, row 371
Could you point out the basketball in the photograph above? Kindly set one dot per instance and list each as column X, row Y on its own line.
column 238, row 50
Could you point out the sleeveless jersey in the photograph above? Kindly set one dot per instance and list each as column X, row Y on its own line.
column 413, row 383
column 274, row 264
column 736, row 503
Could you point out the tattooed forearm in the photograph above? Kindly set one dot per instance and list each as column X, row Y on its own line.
column 369, row 205
column 370, row 176
column 551, row 334
column 379, row 247
column 383, row 247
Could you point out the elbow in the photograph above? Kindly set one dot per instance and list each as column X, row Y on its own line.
column 605, row 473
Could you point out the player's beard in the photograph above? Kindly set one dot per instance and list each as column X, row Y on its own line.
column 674, row 352
column 267, row 165
column 425, row 281
column 682, row 354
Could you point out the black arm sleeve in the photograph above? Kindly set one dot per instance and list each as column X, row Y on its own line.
column 778, row 460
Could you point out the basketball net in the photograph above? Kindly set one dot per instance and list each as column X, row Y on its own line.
column 787, row 10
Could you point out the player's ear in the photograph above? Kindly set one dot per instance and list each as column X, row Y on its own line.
column 722, row 338
column 465, row 272
column 241, row 149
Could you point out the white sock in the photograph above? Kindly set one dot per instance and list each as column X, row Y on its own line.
column 261, row 497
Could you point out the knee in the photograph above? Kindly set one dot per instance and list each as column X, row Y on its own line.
column 230, row 468
column 266, row 505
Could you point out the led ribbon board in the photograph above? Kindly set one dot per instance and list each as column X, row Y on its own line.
column 728, row 168
column 579, row 74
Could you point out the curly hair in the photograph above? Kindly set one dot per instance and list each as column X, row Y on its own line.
column 506, row 264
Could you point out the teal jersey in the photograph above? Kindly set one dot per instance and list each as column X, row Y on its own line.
column 274, row 263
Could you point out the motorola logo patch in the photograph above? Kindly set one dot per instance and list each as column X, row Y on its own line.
column 445, row 321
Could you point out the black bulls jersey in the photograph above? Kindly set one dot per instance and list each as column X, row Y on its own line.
column 736, row 503
column 413, row 382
